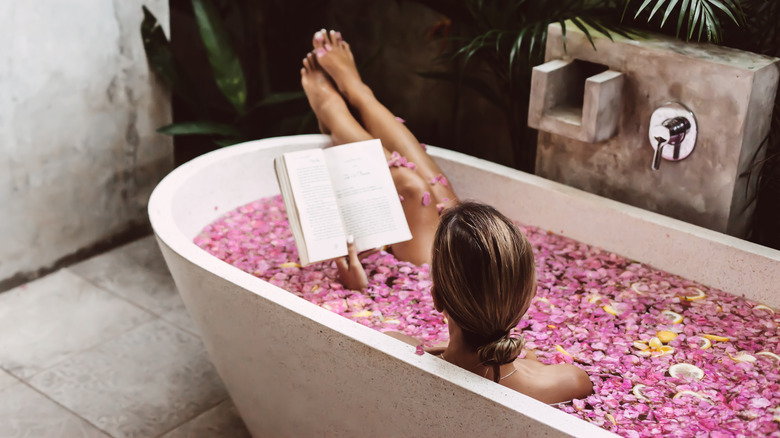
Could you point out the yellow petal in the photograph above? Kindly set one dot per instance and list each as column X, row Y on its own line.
column 638, row 388
column 644, row 353
column 763, row 307
column 655, row 343
column 561, row 350
column 551, row 326
column 636, row 286
column 640, row 345
column 612, row 419
column 686, row 370
column 769, row 354
column 316, row 286
column 699, row 294
column 705, row 343
column 392, row 321
column 290, row 265
column 662, row 351
column 693, row 394
column 609, row 309
column 742, row 357
column 594, row 299
column 363, row 314
column 717, row 338
column 673, row 317
column 666, row 336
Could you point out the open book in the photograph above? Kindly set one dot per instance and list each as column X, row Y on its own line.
column 340, row 191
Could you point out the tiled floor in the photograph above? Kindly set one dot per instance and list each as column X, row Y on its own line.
column 105, row 348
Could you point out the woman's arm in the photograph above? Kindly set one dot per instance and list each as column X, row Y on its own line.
column 351, row 272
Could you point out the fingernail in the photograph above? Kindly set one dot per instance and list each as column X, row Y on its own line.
column 328, row 47
column 350, row 239
column 320, row 52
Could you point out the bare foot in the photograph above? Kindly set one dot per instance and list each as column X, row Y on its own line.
column 335, row 57
column 319, row 90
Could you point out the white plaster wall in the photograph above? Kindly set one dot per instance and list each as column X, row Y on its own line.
column 78, row 109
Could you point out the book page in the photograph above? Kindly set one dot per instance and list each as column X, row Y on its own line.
column 315, row 201
column 366, row 195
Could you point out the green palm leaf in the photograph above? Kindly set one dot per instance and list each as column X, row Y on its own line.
column 224, row 62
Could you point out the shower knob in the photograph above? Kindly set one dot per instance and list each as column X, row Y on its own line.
column 676, row 125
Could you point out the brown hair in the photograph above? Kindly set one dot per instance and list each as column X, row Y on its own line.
column 484, row 277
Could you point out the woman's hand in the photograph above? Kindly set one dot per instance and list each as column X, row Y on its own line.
column 350, row 269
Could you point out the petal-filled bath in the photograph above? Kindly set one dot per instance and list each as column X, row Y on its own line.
column 666, row 355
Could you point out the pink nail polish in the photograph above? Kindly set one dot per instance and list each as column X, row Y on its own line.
column 320, row 52
column 328, row 47
column 318, row 37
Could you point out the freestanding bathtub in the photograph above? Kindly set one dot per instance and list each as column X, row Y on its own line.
column 295, row 369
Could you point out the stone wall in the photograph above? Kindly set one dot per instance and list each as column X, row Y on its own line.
column 731, row 94
column 78, row 111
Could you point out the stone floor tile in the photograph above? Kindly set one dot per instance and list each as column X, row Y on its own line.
column 45, row 321
column 221, row 421
column 179, row 317
column 136, row 272
column 140, row 384
column 26, row 413
column 6, row 379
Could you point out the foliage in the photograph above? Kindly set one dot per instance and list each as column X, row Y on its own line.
column 497, row 43
column 245, row 107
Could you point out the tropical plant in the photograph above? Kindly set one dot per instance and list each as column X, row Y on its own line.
column 246, row 107
column 495, row 44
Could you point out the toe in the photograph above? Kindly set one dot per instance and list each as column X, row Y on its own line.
column 318, row 39
column 306, row 63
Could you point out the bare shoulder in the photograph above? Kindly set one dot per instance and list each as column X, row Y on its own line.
column 550, row 383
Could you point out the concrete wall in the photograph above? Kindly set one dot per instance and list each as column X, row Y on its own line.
column 731, row 94
column 78, row 109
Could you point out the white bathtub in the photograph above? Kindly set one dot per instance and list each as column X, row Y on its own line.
column 295, row 369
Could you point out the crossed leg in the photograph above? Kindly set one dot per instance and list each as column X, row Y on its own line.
column 424, row 190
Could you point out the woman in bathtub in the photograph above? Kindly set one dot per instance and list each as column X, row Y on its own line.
column 482, row 266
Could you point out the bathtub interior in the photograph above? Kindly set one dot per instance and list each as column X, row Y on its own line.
column 196, row 194
column 268, row 344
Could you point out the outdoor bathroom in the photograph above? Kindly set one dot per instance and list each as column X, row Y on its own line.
column 151, row 284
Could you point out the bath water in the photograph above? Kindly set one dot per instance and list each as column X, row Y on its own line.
column 667, row 356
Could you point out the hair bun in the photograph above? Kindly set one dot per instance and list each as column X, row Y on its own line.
column 502, row 350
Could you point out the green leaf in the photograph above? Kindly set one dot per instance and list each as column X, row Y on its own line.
column 277, row 98
column 668, row 12
column 695, row 16
column 658, row 5
column 683, row 12
column 200, row 128
column 225, row 65
column 157, row 48
column 641, row 8
column 725, row 10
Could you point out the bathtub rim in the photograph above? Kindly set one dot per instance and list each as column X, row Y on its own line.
column 168, row 233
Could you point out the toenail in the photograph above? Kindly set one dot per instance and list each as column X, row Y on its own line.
column 320, row 52
column 338, row 35
column 318, row 36
column 328, row 47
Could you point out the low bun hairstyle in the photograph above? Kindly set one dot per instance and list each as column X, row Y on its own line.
column 484, row 277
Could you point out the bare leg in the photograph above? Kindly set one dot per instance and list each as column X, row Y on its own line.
column 335, row 57
column 335, row 119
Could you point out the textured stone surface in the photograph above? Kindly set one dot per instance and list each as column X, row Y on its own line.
column 731, row 95
column 78, row 111
column 26, row 413
column 221, row 421
column 50, row 319
column 140, row 384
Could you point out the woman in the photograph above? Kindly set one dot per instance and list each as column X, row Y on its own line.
column 482, row 266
